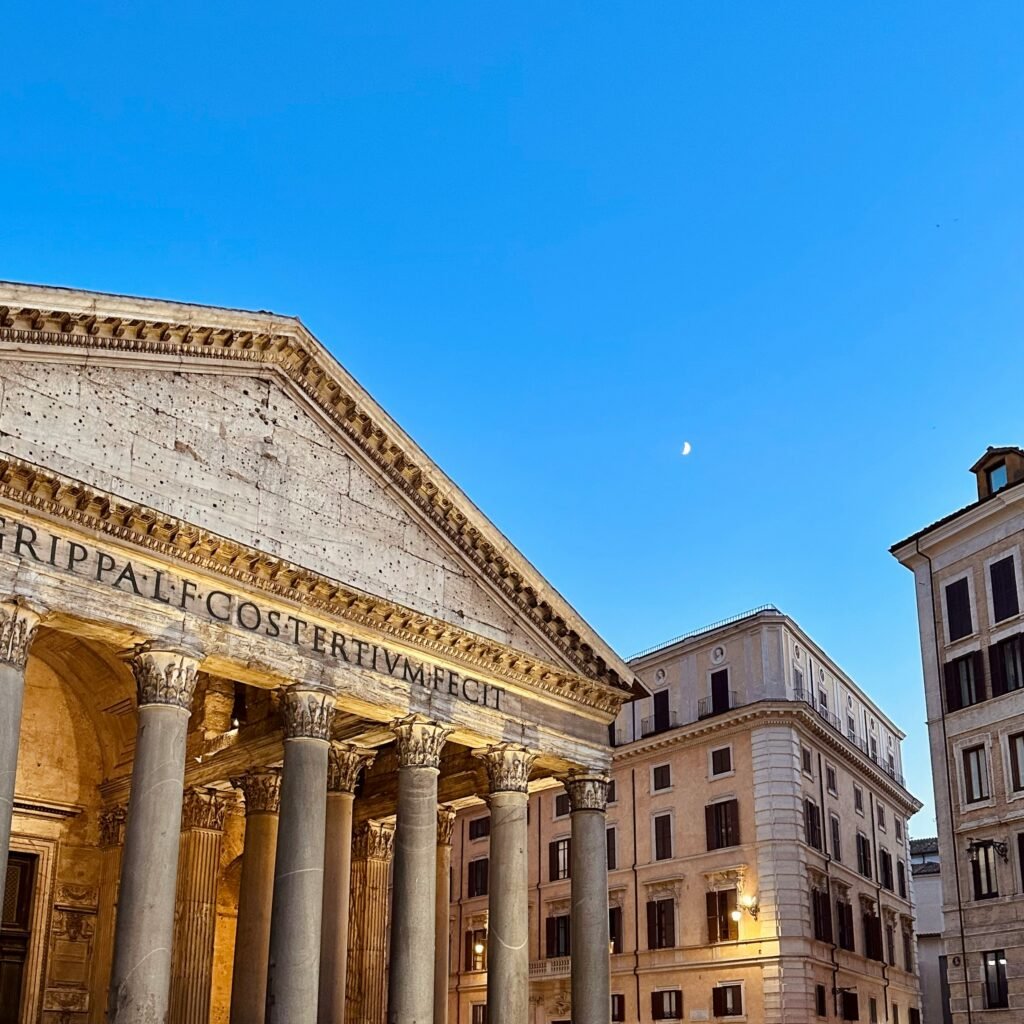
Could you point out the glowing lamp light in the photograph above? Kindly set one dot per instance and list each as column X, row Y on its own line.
column 478, row 948
column 737, row 915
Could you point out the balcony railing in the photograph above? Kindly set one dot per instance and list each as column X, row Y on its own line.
column 709, row 706
column 799, row 693
column 658, row 723
column 555, row 967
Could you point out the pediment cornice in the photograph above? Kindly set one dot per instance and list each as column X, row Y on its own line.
column 62, row 499
column 283, row 345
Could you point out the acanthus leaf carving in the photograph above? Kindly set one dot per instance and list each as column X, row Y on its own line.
column 373, row 840
column 307, row 713
column 203, row 808
column 344, row 763
column 420, row 741
column 18, row 625
column 508, row 766
column 165, row 677
column 445, row 825
column 588, row 791
column 261, row 790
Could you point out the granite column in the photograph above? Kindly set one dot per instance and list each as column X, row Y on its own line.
column 411, row 963
column 144, row 931
column 293, row 973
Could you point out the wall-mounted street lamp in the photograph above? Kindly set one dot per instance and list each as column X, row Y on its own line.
column 747, row 903
column 999, row 845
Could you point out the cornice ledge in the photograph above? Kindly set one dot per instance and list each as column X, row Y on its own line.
column 305, row 365
column 62, row 498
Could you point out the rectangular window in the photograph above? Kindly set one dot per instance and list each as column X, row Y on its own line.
column 908, row 950
column 557, row 936
column 1016, row 745
column 965, row 681
column 885, row 870
column 618, row 1008
column 915, row 1015
column 722, row 824
column 901, row 879
column 831, row 781
column 844, row 925
column 895, row 1014
column 663, row 837
column 958, row 609
column 975, row 774
column 849, row 1006
column 821, row 915
column 858, row 799
column 812, row 824
column 1006, row 663
column 562, row 805
column 890, row 945
column 721, row 761
column 807, row 760
column 873, row 937
column 873, row 1010
column 609, row 836
column 662, row 775
column 880, row 811
column 898, row 825
column 983, row 872
column 476, row 950
column 837, row 844
column 615, row 929
column 559, row 859
column 479, row 828
column 667, row 1005
column 727, row 1001
column 662, row 718
column 477, row 881
column 478, row 1013
column 661, row 924
column 863, row 855
column 820, row 1006
column 721, row 926
column 994, row 965
column 612, row 798
column 1004, row 589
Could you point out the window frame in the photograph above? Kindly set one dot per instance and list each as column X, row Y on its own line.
column 1013, row 554
column 562, row 843
column 999, row 962
column 655, row 818
column 665, row 766
column 972, row 605
column 835, row 837
column 730, row 771
column 962, row 748
column 477, row 821
column 561, row 800
column 473, row 876
column 740, row 1012
column 831, row 779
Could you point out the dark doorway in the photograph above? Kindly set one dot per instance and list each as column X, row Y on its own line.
column 14, row 933
column 720, row 691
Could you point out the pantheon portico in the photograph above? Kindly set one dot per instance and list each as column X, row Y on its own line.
column 255, row 649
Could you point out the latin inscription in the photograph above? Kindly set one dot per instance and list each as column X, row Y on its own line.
column 27, row 543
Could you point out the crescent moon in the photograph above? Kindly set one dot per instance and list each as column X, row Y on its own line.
column 687, row 448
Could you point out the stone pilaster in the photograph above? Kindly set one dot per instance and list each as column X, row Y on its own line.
column 344, row 763
column 18, row 625
column 442, row 902
column 199, row 846
column 367, row 976
column 261, row 790
column 411, row 978
column 293, row 975
column 111, row 822
column 144, row 930
column 508, row 941
column 590, row 971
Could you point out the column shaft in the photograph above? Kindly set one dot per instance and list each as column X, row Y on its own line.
column 111, row 840
column 344, row 764
column 17, row 630
column 294, row 970
column 591, row 988
column 199, row 849
column 442, row 908
column 508, row 917
column 141, row 975
column 411, row 977
column 261, row 790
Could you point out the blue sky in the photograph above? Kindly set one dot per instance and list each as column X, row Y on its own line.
column 556, row 241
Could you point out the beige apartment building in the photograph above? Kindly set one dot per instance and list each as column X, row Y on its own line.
column 758, row 859
column 970, row 595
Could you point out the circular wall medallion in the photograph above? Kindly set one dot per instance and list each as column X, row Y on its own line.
column 718, row 655
column 659, row 675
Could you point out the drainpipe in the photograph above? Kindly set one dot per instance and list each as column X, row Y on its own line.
column 949, row 781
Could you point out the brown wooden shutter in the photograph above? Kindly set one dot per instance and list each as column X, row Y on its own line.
column 669, row 923
column 952, row 687
column 652, row 925
column 615, row 928
column 550, row 936
column 712, row 909
column 657, row 1004
column 553, row 861
column 469, row 951
column 732, row 818
column 727, row 924
column 996, row 671
column 979, row 675
column 709, row 826
column 718, row 1002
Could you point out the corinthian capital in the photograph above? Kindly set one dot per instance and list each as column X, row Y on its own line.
column 344, row 763
column 165, row 677
column 420, row 741
column 445, row 825
column 17, row 629
column 588, row 791
column 203, row 808
column 261, row 790
column 307, row 713
column 508, row 766
column 373, row 841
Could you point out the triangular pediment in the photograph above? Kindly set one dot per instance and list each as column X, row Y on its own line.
column 245, row 426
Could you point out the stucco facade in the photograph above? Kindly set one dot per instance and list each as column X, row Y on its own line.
column 732, row 769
